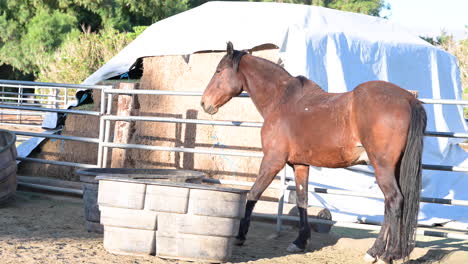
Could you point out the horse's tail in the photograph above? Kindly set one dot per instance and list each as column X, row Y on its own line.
column 410, row 177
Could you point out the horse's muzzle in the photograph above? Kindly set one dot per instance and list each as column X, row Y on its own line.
column 209, row 109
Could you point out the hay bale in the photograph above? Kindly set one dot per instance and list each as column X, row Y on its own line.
column 173, row 73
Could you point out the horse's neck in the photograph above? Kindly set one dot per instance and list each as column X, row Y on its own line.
column 269, row 85
column 264, row 81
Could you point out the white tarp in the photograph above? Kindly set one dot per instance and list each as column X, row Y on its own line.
column 338, row 50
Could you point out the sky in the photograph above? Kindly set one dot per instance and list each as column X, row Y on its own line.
column 430, row 17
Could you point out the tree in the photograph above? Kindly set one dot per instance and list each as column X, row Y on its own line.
column 369, row 7
column 80, row 56
column 31, row 30
column 125, row 14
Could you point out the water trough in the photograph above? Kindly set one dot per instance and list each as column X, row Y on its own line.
column 91, row 185
column 175, row 220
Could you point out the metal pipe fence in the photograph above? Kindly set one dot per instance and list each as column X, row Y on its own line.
column 17, row 93
column 29, row 84
column 280, row 216
column 10, row 98
column 53, row 110
column 105, row 143
column 32, row 94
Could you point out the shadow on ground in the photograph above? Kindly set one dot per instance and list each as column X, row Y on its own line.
column 38, row 217
column 263, row 243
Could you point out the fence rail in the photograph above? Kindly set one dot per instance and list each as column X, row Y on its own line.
column 53, row 110
column 240, row 123
column 28, row 84
column 17, row 93
column 104, row 142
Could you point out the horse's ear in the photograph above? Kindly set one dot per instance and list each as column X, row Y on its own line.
column 230, row 49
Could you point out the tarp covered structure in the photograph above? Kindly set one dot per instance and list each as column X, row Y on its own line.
column 338, row 50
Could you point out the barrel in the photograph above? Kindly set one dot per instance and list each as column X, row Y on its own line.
column 91, row 186
column 173, row 220
column 7, row 165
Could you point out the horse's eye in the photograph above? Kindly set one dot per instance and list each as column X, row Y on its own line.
column 218, row 71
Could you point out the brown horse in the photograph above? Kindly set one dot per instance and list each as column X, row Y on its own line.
column 377, row 123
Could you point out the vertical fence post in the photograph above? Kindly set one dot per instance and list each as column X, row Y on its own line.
column 66, row 97
column 2, row 100
column 56, row 98
column 101, row 126
column 18, row 102
column 107, row 127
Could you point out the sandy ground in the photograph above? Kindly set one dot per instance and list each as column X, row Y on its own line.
column 38, row 228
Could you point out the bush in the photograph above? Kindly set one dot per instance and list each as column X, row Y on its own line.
column 460, row 50
column 81, row 55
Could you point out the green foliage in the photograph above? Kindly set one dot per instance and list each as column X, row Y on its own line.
column 124, row 14
column 31, row 30
column 460, row 50
column 369, row 7
column 80, row 56
column 35, row 33
column 443, row 39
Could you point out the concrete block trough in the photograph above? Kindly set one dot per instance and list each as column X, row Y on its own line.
column 128, row 198
column 173, row 220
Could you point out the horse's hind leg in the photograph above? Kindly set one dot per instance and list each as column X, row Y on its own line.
column 386, row 246
column 270, row 166
column 302, row 181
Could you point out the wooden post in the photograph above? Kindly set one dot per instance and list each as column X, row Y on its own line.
column 123, row 129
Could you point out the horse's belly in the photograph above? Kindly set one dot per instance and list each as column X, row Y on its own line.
column 331, row 158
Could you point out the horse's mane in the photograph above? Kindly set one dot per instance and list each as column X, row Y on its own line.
column 268, row 62
column 236, row 57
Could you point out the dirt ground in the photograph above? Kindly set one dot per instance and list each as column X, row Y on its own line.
column 37, row 228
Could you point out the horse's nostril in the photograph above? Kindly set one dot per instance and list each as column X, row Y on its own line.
column 202, row 104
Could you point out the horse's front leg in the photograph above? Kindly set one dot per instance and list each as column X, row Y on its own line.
column 301, row 172
column 270, row 166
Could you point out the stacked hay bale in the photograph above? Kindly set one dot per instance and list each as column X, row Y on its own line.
column 174, row 73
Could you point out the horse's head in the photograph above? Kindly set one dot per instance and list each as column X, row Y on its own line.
column 225, row 83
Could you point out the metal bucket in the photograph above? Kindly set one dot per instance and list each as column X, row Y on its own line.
column 7, row 165
column 91, row 186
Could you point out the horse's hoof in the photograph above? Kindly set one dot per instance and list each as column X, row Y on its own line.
column 369, row 259
column 239, row 242
column 294, row 249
